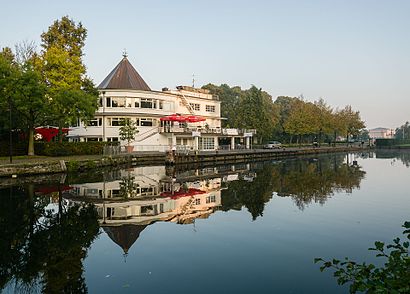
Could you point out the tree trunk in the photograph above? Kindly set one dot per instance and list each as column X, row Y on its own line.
column 30, row 141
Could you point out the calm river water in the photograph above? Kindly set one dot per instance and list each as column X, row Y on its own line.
column 245, row 228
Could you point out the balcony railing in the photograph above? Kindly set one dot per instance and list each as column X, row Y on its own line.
column 209, row 130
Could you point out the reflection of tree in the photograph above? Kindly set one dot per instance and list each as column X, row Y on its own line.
column 252, row 195
column 304, row 180
column 41, row 246
column 402, row 155
column 309, row 181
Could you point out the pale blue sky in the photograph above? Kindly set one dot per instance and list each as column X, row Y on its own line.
column 348, row 52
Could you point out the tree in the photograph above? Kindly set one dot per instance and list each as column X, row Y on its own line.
column 392, row 277
column 324, row 115
column 70, row 91
column 256, row 111
column 26, row 92
column 283, row 106
column 403, row 132
column 128, row 130
column 8, row 75
column 351, row 121
column 302, row 119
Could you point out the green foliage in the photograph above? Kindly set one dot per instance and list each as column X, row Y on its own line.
column 403, row 132
column 392, row 277
column 128, row 130
column 41, row 247
column 72, row 95
column 246, row 109
column 70, row 148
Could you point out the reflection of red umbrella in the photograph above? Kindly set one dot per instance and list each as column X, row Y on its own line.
column 48, row 133
column 193, row 118
column 174, row 117
column 51, row 189
column 178, row 194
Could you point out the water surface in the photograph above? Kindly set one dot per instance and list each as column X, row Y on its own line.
column 247, row 228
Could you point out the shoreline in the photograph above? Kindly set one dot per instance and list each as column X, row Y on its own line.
column 52, row 165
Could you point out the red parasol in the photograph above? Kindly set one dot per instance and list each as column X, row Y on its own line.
column 193, row 118
column 174, row 117
column 178, row 194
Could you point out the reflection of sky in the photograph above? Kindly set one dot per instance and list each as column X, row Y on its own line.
column 230, row 253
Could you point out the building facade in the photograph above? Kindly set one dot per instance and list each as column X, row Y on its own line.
column 124, row 94
column 381, row 133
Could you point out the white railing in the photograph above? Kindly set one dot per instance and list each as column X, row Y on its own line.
column 147, row 134
column 160, row 148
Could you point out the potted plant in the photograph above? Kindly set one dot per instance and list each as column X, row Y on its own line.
column 128, row 130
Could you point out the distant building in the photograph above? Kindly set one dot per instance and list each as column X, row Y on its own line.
column 124, row 94
column 381, row 133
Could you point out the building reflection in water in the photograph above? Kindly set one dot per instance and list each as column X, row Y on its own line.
column 127, row 201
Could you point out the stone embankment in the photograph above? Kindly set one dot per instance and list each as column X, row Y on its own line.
column 75, row 164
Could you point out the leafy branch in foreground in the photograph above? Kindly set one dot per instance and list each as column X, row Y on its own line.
column 393, row 277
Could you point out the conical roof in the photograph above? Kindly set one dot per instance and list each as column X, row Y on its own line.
column 124, row 76
column 124, row 235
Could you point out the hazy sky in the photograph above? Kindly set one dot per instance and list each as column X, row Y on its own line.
column 347, row 52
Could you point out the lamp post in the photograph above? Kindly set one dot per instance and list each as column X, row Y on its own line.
column 10, row 133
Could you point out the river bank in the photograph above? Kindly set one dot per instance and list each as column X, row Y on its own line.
column 51, row 165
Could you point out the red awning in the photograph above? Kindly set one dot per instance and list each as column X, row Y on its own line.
column 48, row 133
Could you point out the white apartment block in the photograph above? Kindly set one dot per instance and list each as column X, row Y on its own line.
column 124, row 94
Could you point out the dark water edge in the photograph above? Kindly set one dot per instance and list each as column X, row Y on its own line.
column 236, row 228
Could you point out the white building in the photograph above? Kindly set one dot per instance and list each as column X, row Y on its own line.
column 381, row 133
column 124, row 94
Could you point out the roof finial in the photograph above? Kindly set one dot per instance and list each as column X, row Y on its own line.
column 193, row 80
column 124, row 53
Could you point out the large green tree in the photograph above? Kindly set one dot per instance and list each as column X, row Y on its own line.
column 72, row 94
column 24, row 92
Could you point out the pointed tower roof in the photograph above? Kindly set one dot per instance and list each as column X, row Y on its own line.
column 124, row 76
column 124, row 235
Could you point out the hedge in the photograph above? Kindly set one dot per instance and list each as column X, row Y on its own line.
column 56, row 148
column 70, row 148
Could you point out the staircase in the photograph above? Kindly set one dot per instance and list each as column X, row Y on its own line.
column 186, row 104
column 147, row 134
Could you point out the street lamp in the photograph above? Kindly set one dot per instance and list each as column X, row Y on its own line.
column 10, row 133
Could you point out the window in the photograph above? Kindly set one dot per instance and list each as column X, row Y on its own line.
column 108, row 101
column 137, row 103
column 118, row 102
column 197, row 201
column 112, row 139
column 196, row 106
column 210, row 199
column 147, row 122
column 100, row 102
column 93, row 139
column 210, row 108
column 115, row 121
column 148, row 103
column 207, row 143
column 161, row 104
column 95, row 122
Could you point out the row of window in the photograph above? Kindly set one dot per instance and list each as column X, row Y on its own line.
column 135, row 103
column 117, row 121
column 197, row 107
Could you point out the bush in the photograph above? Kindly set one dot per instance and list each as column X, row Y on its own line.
column 392, row 277
column 70, row 148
